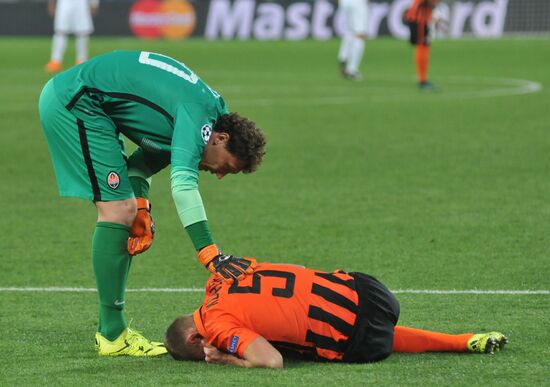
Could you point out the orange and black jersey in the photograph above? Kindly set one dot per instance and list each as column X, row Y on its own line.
column 421, row 11
column 294, row 308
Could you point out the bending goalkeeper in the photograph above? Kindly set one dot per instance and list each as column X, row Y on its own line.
column 174, row 118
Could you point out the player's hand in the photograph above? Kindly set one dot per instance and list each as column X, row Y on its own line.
column 212, row 354
column 227, row 267
column 143, row 228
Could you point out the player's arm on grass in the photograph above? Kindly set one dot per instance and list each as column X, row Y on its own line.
column 227, row 341
column 258, row 354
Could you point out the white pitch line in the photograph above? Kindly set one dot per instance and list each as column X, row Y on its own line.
column 320, row 95
column 196, row 290
column 53, row 289
column 469, row 291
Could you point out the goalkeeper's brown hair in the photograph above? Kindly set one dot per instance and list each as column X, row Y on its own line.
column 175, row 339
column 246, row 140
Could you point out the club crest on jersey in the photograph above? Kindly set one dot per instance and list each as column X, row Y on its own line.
column 206, row 132
column 113, row 180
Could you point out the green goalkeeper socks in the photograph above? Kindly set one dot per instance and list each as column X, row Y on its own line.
column 111, row 262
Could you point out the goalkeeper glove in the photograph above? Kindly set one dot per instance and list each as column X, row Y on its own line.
column 143, row 228
column 227, row 267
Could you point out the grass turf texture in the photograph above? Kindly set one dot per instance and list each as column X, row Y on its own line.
column 440, row 190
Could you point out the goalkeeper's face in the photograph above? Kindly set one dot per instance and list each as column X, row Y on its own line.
column 217, row 159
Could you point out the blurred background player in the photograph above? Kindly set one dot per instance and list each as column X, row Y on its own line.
column 353, row 41
column 175, row 119
column 419, row 17
column 338, row 316
column 70, row 17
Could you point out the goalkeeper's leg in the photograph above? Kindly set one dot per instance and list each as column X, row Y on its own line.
column 111, row 263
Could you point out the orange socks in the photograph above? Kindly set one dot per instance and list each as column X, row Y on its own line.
column 417, row 340
column 422, row 57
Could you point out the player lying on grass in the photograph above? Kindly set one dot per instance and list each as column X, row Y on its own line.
column 349, row 317
column 175, row 119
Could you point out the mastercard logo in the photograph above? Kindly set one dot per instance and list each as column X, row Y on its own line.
column 172, row 19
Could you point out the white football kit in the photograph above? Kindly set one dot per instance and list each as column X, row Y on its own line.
column 73, row 17
column 355, row 13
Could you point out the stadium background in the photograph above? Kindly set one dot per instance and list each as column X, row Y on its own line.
column 313, row 18
column 442, row 196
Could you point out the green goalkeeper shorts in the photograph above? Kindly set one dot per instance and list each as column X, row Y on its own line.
column 88, row 155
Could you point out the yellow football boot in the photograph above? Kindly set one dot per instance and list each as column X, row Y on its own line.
column 130, row 343
column 487, row 342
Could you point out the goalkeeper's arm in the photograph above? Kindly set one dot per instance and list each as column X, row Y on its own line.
column 193, row 217
column 191, row 211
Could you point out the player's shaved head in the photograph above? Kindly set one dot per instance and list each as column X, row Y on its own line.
column 179, row 342
column 246, row 140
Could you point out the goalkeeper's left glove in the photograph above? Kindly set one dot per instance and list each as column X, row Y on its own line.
column 143, row 228
column 227, row 267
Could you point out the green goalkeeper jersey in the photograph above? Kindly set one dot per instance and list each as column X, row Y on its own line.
column 156, row 102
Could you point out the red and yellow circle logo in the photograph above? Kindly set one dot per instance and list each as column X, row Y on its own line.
column 172, row 19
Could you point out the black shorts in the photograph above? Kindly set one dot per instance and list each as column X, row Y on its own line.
column 377, row 315
column 420, row 34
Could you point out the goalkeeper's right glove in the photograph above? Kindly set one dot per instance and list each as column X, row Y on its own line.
column 227, row 267
column 143, row 228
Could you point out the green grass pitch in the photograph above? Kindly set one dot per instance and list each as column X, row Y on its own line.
column 435, row 191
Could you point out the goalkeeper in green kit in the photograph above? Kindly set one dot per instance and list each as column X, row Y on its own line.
column 174, row 118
